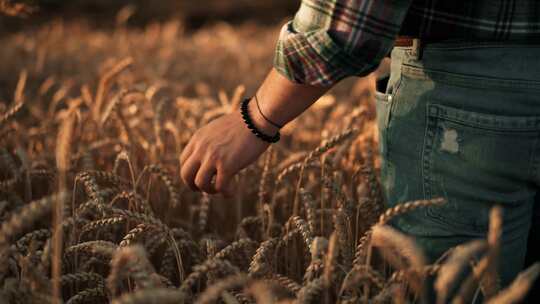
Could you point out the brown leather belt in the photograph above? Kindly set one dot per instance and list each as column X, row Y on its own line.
column 404, row 41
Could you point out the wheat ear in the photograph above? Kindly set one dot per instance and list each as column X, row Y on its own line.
column 519, row 288
column 470, row 284
column 18, row 99
column 408, row 207
column 90, row 278
column 88, row 295
column 134, row 259
column 23, row 219
column 156, row 295
column 285, row 282
column 342, row 226
column 206, row 267
column 310, row 292
column 391, row 242
column 303, row 228
column 212, row 293
column 358, row 274
column 204, row 206
column 456, row 264
column 261, row 261
column 235, row 246
column 323, row 148
column 132, row 235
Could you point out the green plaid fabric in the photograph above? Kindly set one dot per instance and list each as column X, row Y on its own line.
column 332, row 39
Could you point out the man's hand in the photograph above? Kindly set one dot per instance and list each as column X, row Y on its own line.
column 221, row 148
column 226, row 145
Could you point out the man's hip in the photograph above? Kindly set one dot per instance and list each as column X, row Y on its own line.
column 461, row 121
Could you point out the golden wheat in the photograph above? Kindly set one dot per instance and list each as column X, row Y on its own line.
column 307, row 223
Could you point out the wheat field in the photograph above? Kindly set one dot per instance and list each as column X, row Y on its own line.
column 92, row 209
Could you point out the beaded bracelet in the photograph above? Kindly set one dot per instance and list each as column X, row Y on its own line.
column 251, row 126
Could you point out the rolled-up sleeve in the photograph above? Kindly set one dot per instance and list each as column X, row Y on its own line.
column 329, row 40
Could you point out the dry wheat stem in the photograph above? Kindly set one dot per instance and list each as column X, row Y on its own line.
column 330, row 261
column 456, row 264
column 104, row 84
column 519, row 288
column 490, row 281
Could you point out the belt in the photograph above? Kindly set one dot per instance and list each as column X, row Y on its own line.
column 405, row 41
column 415, row 43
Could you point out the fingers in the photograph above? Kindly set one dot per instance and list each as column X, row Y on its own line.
column 186, row 152
column 223, row 183
column 203, row 180
column 189, row 171
column 198, row 168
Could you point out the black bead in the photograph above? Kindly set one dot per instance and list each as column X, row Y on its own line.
column 252, row 127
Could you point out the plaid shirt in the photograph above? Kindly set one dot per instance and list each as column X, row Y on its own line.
column 331, row 39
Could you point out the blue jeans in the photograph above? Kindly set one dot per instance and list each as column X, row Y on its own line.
column 463, row 122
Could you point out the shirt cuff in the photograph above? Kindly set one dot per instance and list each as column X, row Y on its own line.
column 314, row 58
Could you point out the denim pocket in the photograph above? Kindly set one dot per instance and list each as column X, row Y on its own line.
column 475, row 160
column 383, row 104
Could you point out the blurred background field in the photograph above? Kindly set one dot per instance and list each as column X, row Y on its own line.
column 194, row 13
column 89, row 34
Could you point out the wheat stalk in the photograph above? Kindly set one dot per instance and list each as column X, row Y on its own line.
column 456, row 264
column 490, row 280
column 330, row 261
column 519, row 288
column 104, row 83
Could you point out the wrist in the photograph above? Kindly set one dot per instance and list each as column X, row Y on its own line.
column 259, row 121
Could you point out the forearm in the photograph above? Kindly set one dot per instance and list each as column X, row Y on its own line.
column 282, row 100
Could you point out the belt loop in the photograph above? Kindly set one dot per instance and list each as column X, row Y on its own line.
column 417, row 49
